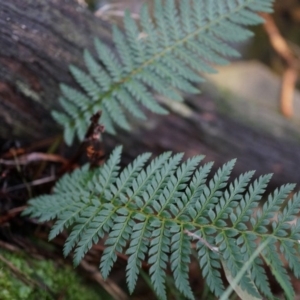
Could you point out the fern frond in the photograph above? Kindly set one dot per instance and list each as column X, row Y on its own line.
column 153, row 213
column 166, row 53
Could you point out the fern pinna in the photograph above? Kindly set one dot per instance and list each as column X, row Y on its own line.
column 154, row 213
column 166, row 53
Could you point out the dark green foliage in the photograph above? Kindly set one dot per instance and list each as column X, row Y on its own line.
column 165, row 53
column 153, row 212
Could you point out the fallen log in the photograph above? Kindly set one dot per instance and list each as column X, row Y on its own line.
column 39, row 39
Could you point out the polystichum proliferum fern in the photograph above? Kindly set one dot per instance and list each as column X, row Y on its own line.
column 153, row 212
column 166, row 53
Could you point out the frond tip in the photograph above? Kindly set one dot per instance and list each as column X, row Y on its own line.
column 166, row 54
column 154, row 211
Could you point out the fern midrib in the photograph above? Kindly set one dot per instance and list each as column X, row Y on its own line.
column 245, row 210
column 231, row 253
column 144, row 182
column 65, row 223
column 207, row 201
column 82, row 229
column 96, row 232
column 196, row 225
column 159, row 251
column 106, row 183
column 186, row 205
column 164, row 206
column 138, row 246
column 262, row 217
column 157, row 56
column 227, row 205
column 153, row 196
column 117, row 243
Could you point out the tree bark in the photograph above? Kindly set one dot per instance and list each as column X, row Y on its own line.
column 39, row 39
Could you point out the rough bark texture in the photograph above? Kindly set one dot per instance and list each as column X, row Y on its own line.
column 39, row 39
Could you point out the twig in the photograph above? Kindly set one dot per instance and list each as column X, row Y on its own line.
column 34, row 156
column 203, row 241
column 32, row 183
column 9, row 247
column 290, row 75
column 111, row 10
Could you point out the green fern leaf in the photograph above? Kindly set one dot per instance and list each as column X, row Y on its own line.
column 155, row 211
column 166, row 53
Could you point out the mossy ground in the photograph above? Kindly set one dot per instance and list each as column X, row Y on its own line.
column 59, row 282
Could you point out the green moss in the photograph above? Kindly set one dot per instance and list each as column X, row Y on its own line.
column 59, row 282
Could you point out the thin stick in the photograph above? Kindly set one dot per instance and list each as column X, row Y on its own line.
column 197, row 237
column 32, row 183
column 108, row 10
column 9, row 247
column 34, row 156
